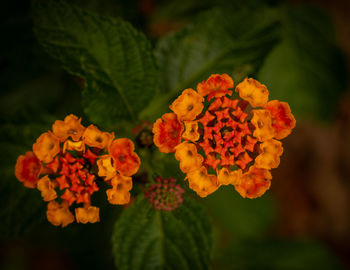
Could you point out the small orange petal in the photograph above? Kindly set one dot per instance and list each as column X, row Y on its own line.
column 126, row 161
column 227, row 177
column 253, row 91
column 27, row 169
column 119, row 194
column 271, row 150
column 54, row 165
column 46, row 147
column 263, row 125
column 87, row 214
column 59, row 214
column 191, row 131
column 283, row 120
column 62, row 182
column 243, row 160
column 202, row 182
column 68, row 196
column 70, row 127
column 254, row 183
column 78, row 146
column 47, row 189
column 167, row 132
column 189, row 159
column 106, row 168
column 188, row 105
column 215, row 86
column 93, row 137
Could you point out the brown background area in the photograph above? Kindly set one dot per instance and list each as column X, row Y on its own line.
column 312, row 184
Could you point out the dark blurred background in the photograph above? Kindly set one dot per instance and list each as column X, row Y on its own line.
column 301, row 223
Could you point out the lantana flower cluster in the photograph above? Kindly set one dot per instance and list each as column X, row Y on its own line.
column 165, row 194
column 223, row 137
column 70, row 163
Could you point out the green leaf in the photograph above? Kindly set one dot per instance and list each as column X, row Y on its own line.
column 306, row 68
column 233, row 42
column 145, row 238
column 114, row 59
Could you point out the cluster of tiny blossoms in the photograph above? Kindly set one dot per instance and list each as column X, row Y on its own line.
column 68, row 164
column 165, row 194
column 227, row 138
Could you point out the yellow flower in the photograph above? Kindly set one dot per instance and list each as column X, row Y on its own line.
column 263, row 125
column 59, row 214
column 120, row 194
column 227, row 177
column 47, row 189
column 47, row 146
column 87, row 214
column 105, row 167
column 253, row 91
column 202, row 182
column 70, row 127
column 188, row 105
column 189, row 159
column 78, row 146
column 271, row 150
column 254, row 183
column 93, row 137
column 191, row 131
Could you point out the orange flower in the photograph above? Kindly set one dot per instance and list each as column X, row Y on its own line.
column 189, row 159
column 47, row 146
column 216, row 86
column 227, row 134
column 47, row 189
column 269, row 158
column 67, row 163
column 188, row 105
column 126, row 161
column 202, row 182
column 263, row 125
column 27, row 169
column 191, row 131
column 87, row 214
column 253, row 92
column 78, row 146
column 70, row 127
column 105, row 167
column 59, row 214
column 254, row 183
column 167, row 132
column 283, row 120
column 119, row 194
column 227, row 177
column 93, row 137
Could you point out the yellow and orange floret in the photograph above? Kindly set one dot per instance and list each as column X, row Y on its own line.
column 234, row 140
column 70, row 163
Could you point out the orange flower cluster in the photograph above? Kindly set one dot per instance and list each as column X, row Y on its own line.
column 69, row 163
column 234, row 140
